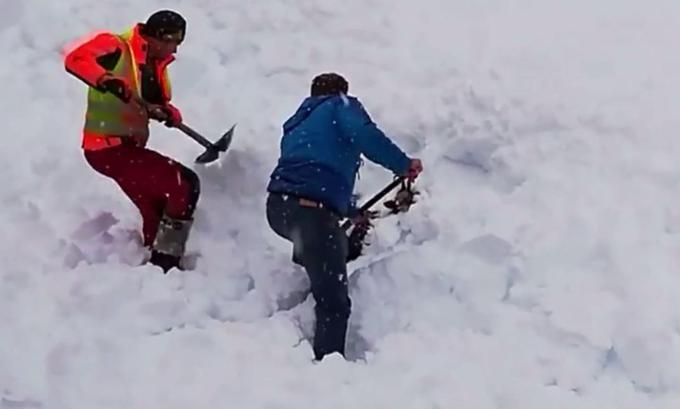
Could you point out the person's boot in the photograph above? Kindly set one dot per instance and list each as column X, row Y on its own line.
column 168, row 248
column 164, row 261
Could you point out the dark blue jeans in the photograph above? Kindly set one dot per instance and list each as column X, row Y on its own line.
column 320, row 245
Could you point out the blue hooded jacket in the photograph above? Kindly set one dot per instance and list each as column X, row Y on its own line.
column 321, row 148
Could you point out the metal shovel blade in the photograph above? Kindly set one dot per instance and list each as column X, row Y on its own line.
column 210, row 155
column 213, row 152
column 223, row 143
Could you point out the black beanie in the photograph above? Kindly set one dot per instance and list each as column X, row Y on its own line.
column 329, row 84
column 165, row 22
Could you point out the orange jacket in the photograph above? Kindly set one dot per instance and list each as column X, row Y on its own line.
column 108, row 120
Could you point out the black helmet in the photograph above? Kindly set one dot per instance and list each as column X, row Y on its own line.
column 165, row 24
column 328, row 84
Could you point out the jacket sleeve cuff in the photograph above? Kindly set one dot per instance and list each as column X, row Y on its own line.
column 402, row 165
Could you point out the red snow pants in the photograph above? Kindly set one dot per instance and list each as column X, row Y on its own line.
column 155, row 184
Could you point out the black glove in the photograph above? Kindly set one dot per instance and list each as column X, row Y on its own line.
column 167, row 113
column 158, row 113
column 117, row 86
column 356, row 239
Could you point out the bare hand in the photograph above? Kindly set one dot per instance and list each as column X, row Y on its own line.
column 414, row 169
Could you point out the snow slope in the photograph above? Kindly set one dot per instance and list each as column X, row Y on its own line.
column 540, row 268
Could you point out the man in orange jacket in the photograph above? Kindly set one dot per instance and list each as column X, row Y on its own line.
column 129, row 85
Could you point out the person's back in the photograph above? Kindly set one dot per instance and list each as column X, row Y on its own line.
column 317, row 161
column 321, row 150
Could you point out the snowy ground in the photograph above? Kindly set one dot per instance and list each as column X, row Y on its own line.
column 540, row 269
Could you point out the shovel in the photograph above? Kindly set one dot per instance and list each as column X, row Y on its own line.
column 212, row 150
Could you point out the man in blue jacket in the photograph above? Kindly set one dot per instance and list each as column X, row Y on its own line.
column 311, row 187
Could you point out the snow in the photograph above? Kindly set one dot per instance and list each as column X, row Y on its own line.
column 538, row 269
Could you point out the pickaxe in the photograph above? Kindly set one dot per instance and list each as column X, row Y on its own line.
column 212, row 150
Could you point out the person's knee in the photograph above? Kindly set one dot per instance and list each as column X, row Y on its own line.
column 182, row 192
column 192, row 185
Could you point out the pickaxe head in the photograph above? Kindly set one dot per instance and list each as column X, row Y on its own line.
column 221, row 145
